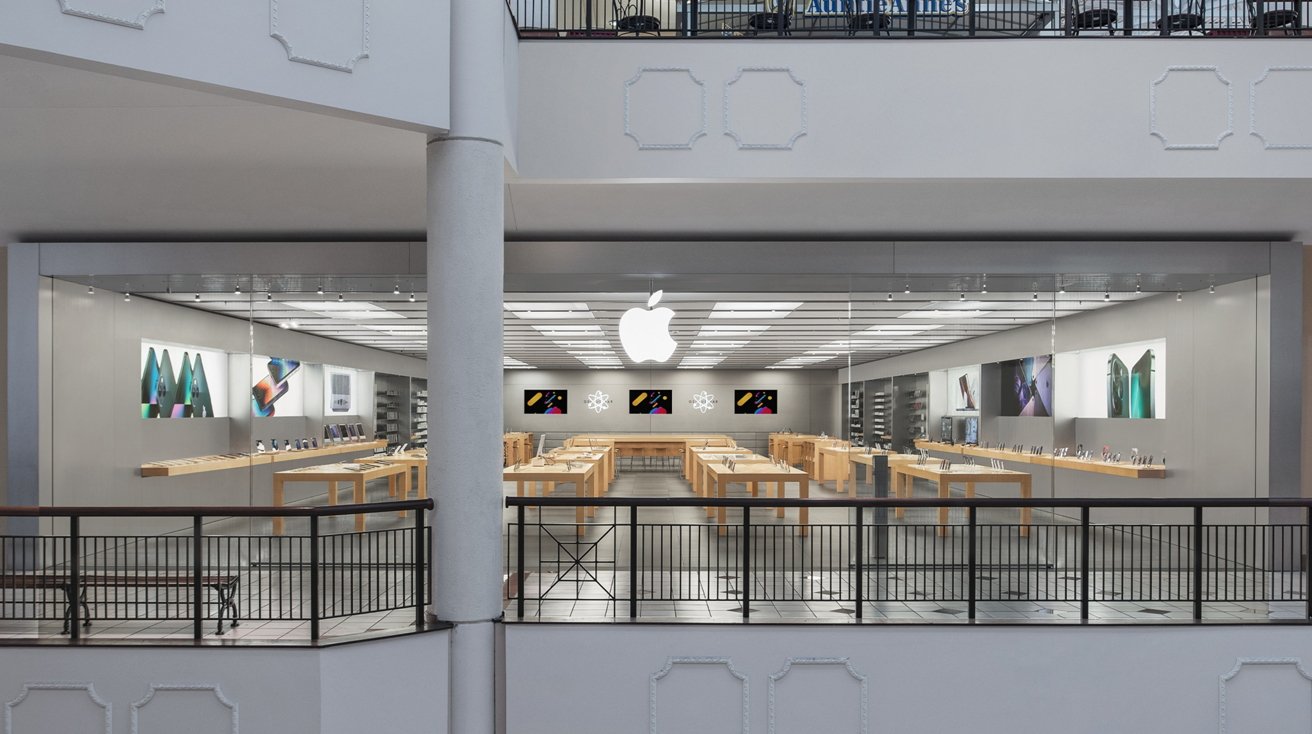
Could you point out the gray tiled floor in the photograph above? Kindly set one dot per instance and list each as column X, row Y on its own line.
column 690, row 573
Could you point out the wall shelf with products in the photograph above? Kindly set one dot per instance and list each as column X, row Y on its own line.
column 419, row 413
column 856, row 427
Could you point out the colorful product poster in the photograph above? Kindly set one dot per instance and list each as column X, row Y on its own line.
column 1026, row 387
column 756, row 402
column 180, row 381
column 546, row 402
column 278, row 389
column 650, row 402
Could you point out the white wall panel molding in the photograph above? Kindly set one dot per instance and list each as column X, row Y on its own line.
column 1285, row 93
column 131, row 14
column 230, row 725
column 47, row 724
column 765, row 108
column 1186, row 110
column 1282, row 680
column 666, row 674
column 845, row 664
column 333, row 34
column 665, row 108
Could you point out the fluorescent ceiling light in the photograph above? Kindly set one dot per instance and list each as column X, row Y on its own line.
column 783, row 366
column 353, row 310
column 753, row 309
column 738, row 330
column 549, row 310
column 899, row 329
column 715, row 344
column 399, row 328
column 586, row 344
column 569, row 330
column 511, row 363
column 947, row 310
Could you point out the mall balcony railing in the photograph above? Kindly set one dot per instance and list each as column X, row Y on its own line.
column 68, row 575
column 1063, row 556
column 802, row 19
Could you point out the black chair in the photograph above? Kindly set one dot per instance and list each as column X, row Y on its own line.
column 1189, row 18
column 1092, row 18
column 876, row 23
column 1274, row 17
column 777, row 22
column 631, row 18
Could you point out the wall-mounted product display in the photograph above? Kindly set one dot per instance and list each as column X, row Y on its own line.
column 278, row 387
column 881, row 425
column 1120, row 381
column 340, row 387
column 963, row 382
column 970, row 434
column 650, row 402
column 756, row 402
column 193, row 386
column 856, row 427
column 546, row 402
column 419, row 413
column 1026, row 387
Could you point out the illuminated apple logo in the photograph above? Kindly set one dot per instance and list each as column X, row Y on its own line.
column 645, row 332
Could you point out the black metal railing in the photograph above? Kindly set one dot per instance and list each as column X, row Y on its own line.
column 220, row 578
column 903, row 18
column 625, row 561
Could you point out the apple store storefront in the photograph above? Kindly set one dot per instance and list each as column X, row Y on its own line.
column 701, row 431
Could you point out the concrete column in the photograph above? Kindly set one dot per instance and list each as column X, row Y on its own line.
column 466, row 272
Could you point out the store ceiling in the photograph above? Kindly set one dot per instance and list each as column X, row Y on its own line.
column 720, row 330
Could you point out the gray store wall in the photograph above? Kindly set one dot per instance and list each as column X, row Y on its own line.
column 1216, row 372
column 97, row 435
column 808, row 400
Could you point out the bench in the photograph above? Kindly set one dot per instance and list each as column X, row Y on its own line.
column 224, row 585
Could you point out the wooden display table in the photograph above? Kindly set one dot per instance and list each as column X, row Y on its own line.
column 355, row 474
column 862, row 458
column 219, row 462
column 752, row 474
column 604, row 454
column 696, row 453
column 831, row 462
column 701, row 479
column 644, row 445
column 516, row 447
column 416, row 459
column 788, row 446
column 905, row 472
column 811, row 448
column 1096, row 466
column 585, row 476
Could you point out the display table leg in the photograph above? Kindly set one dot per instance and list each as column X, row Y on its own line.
column 548, row 488
column 422, row 472
column 944, row 492
column 751, row 487
column 1025, row 512
column 779, row 494
column 804, row 513
column 277, row 502
column 901, row 488
column 404, row 480
column 721, row 512
column 594, row 489
column 359, row 500
column 580, row 510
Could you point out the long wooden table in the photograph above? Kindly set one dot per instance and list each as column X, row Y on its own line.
column 604, row 454
column 905, row 472
column 671, row 445
column 696, row 454
column 516, row 447
column 219, row 462
column 788, row 446
column 355, row 474
column 861, row 458
column 1096, row 466
column 831, row 463
column 753, row 474
column 416, row 459
column 702, row 479
column 586, row 476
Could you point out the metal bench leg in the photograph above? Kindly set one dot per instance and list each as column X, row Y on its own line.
column 227, row 601
column 68, row 608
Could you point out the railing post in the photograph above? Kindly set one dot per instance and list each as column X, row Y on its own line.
column 1127, row 21
column 970, row 20
column 519, row 561
column 971, row 561
column 314, row 577
column 1259, row 18
column 1198, row 562
column 588, row 16
column 746, row 586
column 418, row 567
column 694, row 17
column 859, row 566
column 911, row 17
column 74, row 583
column 1307, row 566
column 1162, row 14
column 633, row 562
column 197, row 592
column 1084, row 563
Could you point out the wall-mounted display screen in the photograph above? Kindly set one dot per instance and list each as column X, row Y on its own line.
column 179, row 381
column 1120, row 381
column 339, row 390
column 963, row 386
column 278, row 389
column 546, row 402
column 650, row 402
column 756, row 402
column 1026, row 387
column 971, row 433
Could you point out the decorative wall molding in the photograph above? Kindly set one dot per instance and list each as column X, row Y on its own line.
column 1252, row 111
column 1294, row 663
column 58, row 686
column 846, row 665
column 69, row 7
column 348, row 66
column 738, row 138
column 669, row 666
column 1155, row 130
column 668, row 145
column 158, row 687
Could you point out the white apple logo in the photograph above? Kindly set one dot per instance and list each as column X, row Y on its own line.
column 645, row 332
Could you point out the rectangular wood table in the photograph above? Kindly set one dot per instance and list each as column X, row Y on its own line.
column 416, row 459
column 671, row 445
column 604, row 454
column 861, row 458
column 752, row 474
column 696, row 454
column 586, row 476
column 355, row 474
column 904, row 473
column 1096, row 466
column 701, row 477
column 219, row 462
